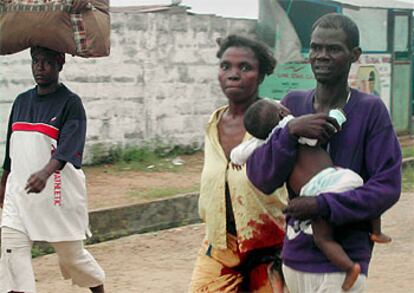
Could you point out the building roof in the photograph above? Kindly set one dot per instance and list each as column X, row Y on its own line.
column 387, row 4
column 150, row 9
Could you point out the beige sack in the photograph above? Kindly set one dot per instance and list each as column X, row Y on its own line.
column 49, row 23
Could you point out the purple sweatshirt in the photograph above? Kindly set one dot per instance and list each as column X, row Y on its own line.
column 368, row 145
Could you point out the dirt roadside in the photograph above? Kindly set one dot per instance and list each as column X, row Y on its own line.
column 163, row 261
column 109, row 187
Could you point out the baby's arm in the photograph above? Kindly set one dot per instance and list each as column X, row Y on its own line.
column 240, row 153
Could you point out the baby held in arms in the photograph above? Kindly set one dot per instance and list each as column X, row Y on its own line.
column 314, row 173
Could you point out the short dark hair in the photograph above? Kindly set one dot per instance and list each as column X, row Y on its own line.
column 58, row 56
column 261, row 117
column 262, row 52
column 340, row 21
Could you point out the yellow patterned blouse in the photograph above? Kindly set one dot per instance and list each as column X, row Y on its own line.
column 259, row 219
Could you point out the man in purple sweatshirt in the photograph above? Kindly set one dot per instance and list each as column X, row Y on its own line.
column 366, row 143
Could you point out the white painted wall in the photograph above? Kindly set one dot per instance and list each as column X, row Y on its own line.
column 160, row 80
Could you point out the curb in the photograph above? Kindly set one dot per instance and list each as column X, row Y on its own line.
column 112, row 223
column 408, row 162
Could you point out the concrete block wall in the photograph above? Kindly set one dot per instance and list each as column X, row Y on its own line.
column 160, row 81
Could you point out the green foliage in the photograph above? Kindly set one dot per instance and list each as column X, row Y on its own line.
column 155, row 193
column 41, row 249
column 103, row 155
column 97, row 237
column 166, row 150
column 408, row 151
column 408, row 178
column 155, row 156
column 143, row 155
column 408, row 170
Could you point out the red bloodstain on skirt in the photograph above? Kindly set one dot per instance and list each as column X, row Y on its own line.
column 266, row 233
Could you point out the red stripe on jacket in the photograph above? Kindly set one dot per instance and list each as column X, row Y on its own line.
column 46, row 129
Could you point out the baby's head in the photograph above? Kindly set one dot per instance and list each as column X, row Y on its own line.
column 261, row 117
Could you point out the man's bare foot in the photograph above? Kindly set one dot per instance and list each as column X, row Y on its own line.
column 98, row 289
column 351, row 277
column 380, row 238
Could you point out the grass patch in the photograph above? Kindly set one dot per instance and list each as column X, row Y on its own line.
column 408, row 170
column 156, row 193
column 408, row 178
column 159, row 158
column 149, row 164
column 41, row 248
column 408, row 151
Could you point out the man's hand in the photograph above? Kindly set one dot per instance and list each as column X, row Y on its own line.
column 318, row 126
column 302, row 208
column 37, row 181
column 79, row 5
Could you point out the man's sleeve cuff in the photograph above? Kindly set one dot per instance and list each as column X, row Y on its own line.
column 323, row 207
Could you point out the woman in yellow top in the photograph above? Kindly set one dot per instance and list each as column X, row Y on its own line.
column 244, row 227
